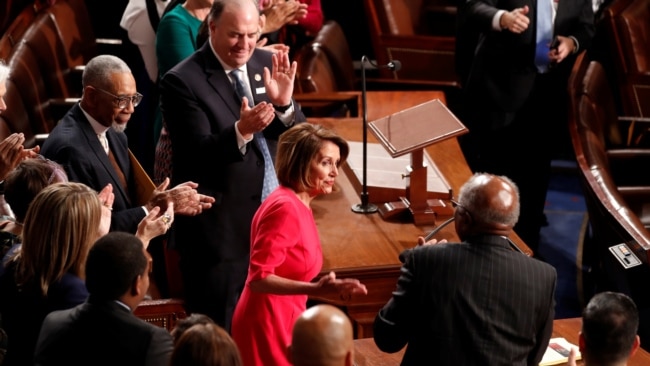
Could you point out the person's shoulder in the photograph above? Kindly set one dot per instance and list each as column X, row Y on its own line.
column 538, row 265
column 176, row 14
column 58, row 317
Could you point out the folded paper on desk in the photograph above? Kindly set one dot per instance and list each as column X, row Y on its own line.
column 385, row 174
column 557, row 352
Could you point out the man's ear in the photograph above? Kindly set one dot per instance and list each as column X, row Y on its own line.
column 581, row 343
column 349, row 359
column 635, row 345
column 137, row 286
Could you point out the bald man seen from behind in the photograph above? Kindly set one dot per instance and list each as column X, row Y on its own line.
column 477, row 302
column 322, row 336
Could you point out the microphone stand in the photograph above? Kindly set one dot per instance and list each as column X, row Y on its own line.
column 364, row 207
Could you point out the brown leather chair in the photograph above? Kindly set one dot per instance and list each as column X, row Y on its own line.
column 332, row 42
column 75, row 32
column 13, row 31
column 628, row 27
column 613, row 210
column 427, row 61
column 62, row 78
column 617, row 210
column 634, row 25
column 30, row 107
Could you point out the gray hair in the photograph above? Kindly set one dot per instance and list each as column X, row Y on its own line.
column 4, row 72
column 98, row 70
column 469, row 197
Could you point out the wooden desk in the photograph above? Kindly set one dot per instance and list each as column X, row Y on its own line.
column 367, row 353
column 365, row 246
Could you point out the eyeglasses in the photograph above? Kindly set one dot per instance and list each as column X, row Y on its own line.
column 455, row 204
column 123, row 102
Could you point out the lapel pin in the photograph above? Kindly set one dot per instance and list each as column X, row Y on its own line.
column 258, row 77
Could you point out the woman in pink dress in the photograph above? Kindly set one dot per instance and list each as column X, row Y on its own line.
column 285, row 251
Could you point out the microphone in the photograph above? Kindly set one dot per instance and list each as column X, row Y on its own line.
column 365, row 206
column 392, row 65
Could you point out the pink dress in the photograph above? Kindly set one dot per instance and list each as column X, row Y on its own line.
column 285, row 242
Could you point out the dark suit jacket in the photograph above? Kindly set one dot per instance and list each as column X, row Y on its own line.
column 101, row 333
column 23, row 308
column 503, row 69
column 200, row 108
column 74, row 144
column 474, row 303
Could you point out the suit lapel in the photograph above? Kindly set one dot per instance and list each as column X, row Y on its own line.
column 218, row 79
column 98, row 150
column 256, row 79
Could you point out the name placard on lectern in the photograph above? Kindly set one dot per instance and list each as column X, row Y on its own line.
column 410, row 131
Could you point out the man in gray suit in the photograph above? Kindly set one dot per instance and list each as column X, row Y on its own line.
column 477, row 302
column 103, row 330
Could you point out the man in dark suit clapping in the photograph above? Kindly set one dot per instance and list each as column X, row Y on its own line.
column 477, row 302
column 225, row 106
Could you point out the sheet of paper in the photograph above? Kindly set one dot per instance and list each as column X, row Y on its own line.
column 557, row 352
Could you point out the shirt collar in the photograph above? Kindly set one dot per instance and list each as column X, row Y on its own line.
column 97, row 127
column 225, row 66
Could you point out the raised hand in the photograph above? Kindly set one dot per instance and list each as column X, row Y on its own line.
column 279, row 81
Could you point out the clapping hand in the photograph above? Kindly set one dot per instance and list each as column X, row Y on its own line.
column 184, row 197
column 12, row 153
column 154, row 224
column 344, row 287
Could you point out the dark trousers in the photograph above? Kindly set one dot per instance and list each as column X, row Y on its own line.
column 523, row 149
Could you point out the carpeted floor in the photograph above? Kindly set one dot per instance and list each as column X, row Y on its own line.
column 561, row 239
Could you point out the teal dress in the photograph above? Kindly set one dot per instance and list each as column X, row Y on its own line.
column 175, row 40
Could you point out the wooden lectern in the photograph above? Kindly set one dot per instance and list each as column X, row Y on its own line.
column 410, row 131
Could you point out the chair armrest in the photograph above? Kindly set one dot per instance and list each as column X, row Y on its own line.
column 162, row 312
column 634, row 119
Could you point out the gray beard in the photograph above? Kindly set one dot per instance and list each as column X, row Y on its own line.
column 119, row 128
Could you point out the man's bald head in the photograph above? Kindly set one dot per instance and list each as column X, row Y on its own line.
column 322, row 336
column 489, row 204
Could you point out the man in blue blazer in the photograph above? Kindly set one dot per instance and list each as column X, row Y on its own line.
column 477, row 302
column 225, row 106
column 103, row 330
column 516, row 93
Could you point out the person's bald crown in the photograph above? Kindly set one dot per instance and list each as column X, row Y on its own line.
column 322, row 335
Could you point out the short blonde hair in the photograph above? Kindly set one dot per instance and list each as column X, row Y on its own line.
column 60, row 226
column 297, row 148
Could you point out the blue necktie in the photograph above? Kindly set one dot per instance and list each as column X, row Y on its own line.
column 270, row 178
column 544, row 34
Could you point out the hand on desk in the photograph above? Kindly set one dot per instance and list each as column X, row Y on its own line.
column 344, row 287
column 430, row 242
column 573, row 354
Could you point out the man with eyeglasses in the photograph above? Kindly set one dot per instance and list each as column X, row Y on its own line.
column 90, row 144
column 477, row 302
